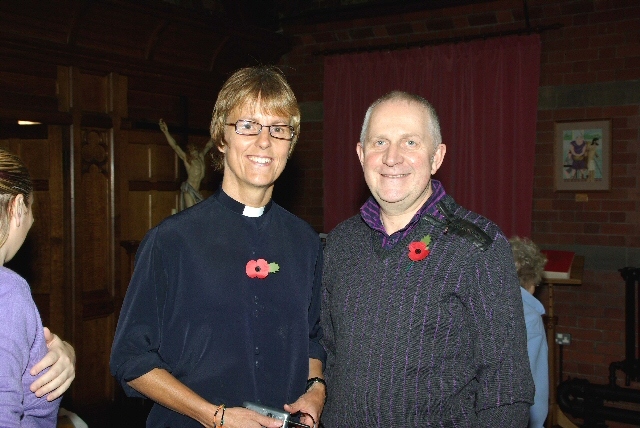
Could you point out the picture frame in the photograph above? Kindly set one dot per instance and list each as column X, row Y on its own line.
column 582, row 156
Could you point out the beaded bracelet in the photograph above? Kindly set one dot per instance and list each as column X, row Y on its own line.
column 222, row 417
column 216, row 414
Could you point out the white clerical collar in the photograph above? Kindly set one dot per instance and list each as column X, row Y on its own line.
column 252, row 212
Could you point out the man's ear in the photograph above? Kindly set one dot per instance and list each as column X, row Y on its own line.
column 360, row 151
column 438, row 157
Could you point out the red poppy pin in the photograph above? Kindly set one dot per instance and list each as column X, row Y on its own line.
column 260, row 268
column 419, row 250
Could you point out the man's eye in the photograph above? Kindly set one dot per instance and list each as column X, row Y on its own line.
column 411, row 143
column 379, row 143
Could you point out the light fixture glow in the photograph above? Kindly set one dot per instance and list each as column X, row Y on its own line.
column 28, row 122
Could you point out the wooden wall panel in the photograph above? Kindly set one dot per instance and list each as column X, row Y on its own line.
column 162, row 206
column 28, row 84
column 94, row 102
column 139, row 216
column 94, row 209
column 97, row 382
column 164, row 162
column 138, row 162
column 94, row 93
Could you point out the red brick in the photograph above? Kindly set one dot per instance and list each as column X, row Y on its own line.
column 628, row 51
column 569, row 114
column 606, row 64
column 504, row 16
column 629, row 110
column 592, row 228
column 440, row 24
column 580, row 78
column 325, row 37
column 610, row 324
column 606, row 75
column 606, row 41
column 585, row 322
column 585, row 357
column 361, row 33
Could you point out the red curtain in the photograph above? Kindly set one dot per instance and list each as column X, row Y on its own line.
column 486, row 96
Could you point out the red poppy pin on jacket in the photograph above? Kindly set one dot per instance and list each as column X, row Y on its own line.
column 260, row 268
column 419, row 250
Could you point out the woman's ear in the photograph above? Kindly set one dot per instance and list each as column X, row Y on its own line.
column 18, row 209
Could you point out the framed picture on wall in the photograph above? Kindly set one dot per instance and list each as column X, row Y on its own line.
column 582, row 156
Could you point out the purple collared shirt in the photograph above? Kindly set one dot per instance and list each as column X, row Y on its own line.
column 370, row 213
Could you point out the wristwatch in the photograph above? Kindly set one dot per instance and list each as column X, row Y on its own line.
column 313, row 380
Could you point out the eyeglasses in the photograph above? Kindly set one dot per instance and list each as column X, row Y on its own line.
column 249, row 127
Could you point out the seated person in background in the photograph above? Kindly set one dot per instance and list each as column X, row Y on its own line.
column 23, row 339
column 530, row 264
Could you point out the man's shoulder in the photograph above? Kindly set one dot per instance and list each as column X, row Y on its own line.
column 346, row 235
column 347, row 227
column 489, row 227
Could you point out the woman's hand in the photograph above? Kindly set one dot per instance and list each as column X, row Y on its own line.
column 239, row 417
column 310, row 405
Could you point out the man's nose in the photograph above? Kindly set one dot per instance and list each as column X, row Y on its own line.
column 392, row 155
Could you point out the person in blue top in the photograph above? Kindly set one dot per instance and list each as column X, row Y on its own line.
column 530, row 264
column 223, row 306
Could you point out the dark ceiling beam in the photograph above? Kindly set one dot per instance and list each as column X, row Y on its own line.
column 221, row 25
column 154, row 37
column 260, row 45
column 448, row 40
column 93, row 59
column 77, row 13
column 216, row 52
column 370, row 9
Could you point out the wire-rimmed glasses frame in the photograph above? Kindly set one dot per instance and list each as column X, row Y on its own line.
column 249, row 127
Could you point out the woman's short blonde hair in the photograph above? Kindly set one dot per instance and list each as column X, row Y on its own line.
column 529, row 261
column 248, row 86
column 14, row 181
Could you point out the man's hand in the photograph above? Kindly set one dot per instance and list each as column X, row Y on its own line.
column 61, row 359
column 310, row 405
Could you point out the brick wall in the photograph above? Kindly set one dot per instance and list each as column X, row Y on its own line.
column 590, row 69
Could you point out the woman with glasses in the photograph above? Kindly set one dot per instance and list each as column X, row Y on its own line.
column 224, row 302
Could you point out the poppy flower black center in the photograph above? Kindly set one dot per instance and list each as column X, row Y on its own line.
column 257, row 268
